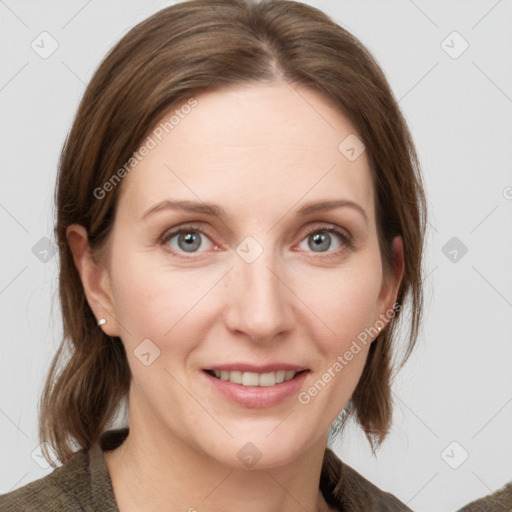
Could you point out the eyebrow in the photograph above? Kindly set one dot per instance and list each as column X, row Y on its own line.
column 218, row 212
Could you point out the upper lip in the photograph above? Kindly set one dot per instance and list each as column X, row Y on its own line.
column 248, row 367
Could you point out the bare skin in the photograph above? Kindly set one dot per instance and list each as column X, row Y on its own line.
column 260, row 152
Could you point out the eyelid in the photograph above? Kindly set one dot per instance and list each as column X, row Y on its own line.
column 189, row 226
column 326, row 226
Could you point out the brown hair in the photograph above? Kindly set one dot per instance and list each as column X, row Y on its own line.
column 184, row 49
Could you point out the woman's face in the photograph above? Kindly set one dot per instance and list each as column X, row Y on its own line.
column 259, row 284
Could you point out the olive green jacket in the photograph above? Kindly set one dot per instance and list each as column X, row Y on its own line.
column 83, row 484
column 500, row 501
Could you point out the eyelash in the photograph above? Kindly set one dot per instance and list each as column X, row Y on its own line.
column 345, row 238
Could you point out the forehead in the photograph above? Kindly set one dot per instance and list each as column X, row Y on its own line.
column 253, row 147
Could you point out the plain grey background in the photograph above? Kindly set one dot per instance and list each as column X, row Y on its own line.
column 449, row 64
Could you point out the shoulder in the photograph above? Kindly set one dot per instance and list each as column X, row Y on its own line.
column 62, row 489
column 348, row 490
column 500, row 501
column 81, row 484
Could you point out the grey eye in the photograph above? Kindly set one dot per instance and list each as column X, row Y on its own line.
column 319, row 241
column 187, row 240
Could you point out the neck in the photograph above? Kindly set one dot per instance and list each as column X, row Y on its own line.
column 170, row 474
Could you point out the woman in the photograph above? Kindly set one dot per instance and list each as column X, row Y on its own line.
column 240, row 217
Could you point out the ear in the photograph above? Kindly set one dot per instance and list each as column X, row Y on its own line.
column 391, row 282
column 95, row 279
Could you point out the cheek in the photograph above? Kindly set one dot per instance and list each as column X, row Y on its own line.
column 156, row 302
column 343, row 301
column 345, row 307
column 155, row 306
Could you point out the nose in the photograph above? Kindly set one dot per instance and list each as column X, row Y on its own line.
column 260, row 304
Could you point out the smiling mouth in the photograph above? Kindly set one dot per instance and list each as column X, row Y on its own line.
column 255, row 379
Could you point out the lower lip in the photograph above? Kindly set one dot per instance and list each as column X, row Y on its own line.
column 257, row 397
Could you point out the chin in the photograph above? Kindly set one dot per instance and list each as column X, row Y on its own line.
column 258, row 451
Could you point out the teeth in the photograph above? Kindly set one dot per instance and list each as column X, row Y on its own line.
column 256, row 379
column 280, row 374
